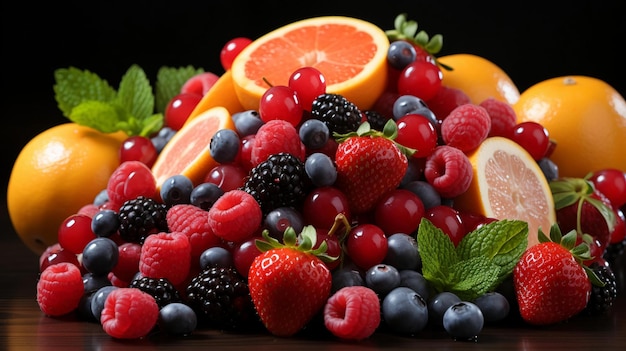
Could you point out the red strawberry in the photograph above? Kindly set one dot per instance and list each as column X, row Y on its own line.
column 551, row 283
column 369, row 164
column 289, row 283
column 580, row 207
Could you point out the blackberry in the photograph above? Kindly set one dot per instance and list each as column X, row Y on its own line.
column 161, row 289
column 279, row 181
column 376, row 119
column 602, row 297
column 141, row 217
column 221, row 298
column 614, row 251
column 340, row 115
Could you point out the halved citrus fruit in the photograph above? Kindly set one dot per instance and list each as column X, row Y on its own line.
column 187, row 153
column 222, row 93
column 508, row 184
column 351, row 54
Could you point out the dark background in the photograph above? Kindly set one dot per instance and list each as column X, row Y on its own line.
column 530, row 40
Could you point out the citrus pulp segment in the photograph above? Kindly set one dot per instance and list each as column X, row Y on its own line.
column 222, row 93
column 187, row 153
column 349, row 52
column 508, row 184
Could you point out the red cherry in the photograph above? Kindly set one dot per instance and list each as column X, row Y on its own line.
column 366, row 245
column 179, row 108
column 533, row 137
column 227, row 176
column 448, row 220
column 75, row 233
column 138, row 148
column 420, row 78
column 322, row 205
column 399, row 211
column 611, row 183
column 416, row 132
column 308, row 83
column 231, row 49
column 56, row 254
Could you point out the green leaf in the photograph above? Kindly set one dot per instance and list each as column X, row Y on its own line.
column 474, row 277
column 98, row 115
column 152, row 125
column 435, row 44
column 135, row 94
column 169, row 82
column 436, row 251
column 422, row 39
column 73, row 86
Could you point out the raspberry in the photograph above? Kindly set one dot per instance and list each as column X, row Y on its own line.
column 274, row 137
column 235, row 216
column 466, row 127
column 503, row 117
column 352, row 313
column 449, row 171
column 89, row 210
column 59, row 289
column 129, row 313
column 131, row 180
column 166, row 255
column 446, row 100
column 193, row 222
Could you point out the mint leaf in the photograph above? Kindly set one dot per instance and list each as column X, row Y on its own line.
column 169, row 83
column 74, row 86
column 437, row 253
column 473, row 277
column 98, row 115
column 135, row 94
column 503, row 242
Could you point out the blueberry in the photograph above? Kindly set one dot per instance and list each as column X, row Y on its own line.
column 405, row 104
column 93, row 282
column 382, row 278
column 279, row 219
column 176, row 190
column 493, row 305
column 549, row 168
column 404, row 311
column 314, row 133
column 400, row 54
column 414, row 171
column 402, row 252
column 98, row 298
column 177, row 319
column 463, row 321
column 216, row 257
column 83, row 310
column 101, row 198
column 100, row 255
column 105, row 223
column 438, row 305
column 320, row 169
column 428, row 113
column 247, row 122
column 416, row 281
column 162, row 138
column 224, row 145
column 426, row 192
column 346, row 276
column 204, row 195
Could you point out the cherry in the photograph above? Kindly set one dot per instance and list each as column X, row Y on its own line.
column 244, row 253
column 179, row 108
column 308, row 83
column 322, row 205
column 333, row 246
column 472, row 221
column 448, row 220
column 281, row 102
column 420, row 78
column 619, row 231
column 231, row 49
column 611, row 183
column 533, row 137
column 138, row 148
column 200, row 83
column 245, row 152
column 75, row 233
column 227, row 176
column 366, row 245
column 399, row 211
column 56, row 254
column 417, row 132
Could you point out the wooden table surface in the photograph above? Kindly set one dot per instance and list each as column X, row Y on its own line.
column 24, row 327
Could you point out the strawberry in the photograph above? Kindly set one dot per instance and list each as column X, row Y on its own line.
column 289, row 283
column 551, row 283
column 581, row 207
column 369, row 164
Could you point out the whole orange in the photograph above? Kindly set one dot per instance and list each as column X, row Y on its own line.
column 585, row 116
column 479, row 78
column 56, row 173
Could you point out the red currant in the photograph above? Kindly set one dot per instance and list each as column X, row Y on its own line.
column 399, row 211
column 231, row 49
column 281, row 102
column 448, row 220
column 421, row 79
column 245, row 253
column 56, row 254
column 227, row 176
column 611, row 183
column 308, row 83
column 416, row 132
column 322, row 205
column 138, row 148
column 366, row 245
column 179, row 108
column 533, row 137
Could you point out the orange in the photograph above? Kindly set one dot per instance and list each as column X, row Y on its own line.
column 507, row 183
column 479, row 78
column 222, row 93
column 55, row 174
column 349, row 52
column 585, row 116
column 187, row 153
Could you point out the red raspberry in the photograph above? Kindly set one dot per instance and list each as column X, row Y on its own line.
column 59, row 289
column 466, row 127
column 193, row 222
column 446, row 100
column 129, row 181
column 449, row 171
column 117, row 282
column 503, row 117
column 129, row 313
column 166, row 255
column 274, row 137
column 235, row 216
column 128, row 261
column 352, row 313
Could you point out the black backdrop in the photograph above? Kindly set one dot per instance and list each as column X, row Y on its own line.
column 531, row 40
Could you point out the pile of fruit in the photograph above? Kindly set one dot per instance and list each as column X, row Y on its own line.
column 349, row 188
